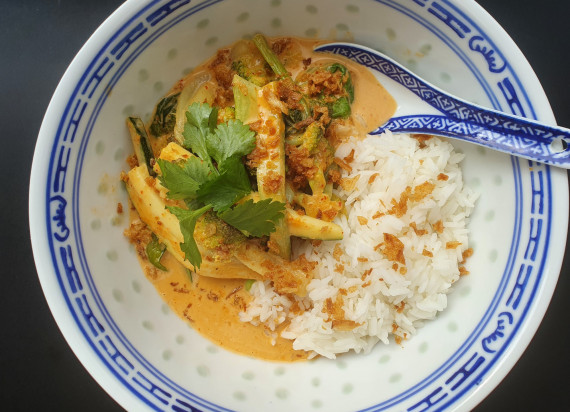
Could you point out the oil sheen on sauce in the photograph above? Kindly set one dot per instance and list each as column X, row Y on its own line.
column 212, row 305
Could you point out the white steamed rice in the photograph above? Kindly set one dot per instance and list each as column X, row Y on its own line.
column 376, row 297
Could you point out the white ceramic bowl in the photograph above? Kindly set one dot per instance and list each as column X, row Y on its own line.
column 144, row 356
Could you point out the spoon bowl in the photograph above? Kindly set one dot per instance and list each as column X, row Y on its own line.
column 424, row 108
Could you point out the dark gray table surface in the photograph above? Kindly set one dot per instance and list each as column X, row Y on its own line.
column 38, row 370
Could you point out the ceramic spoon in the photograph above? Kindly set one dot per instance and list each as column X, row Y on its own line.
column 424, row 108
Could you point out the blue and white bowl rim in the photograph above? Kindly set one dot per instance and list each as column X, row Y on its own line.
column 149, row 384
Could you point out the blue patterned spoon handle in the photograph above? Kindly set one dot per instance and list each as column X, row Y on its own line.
column 462, row 120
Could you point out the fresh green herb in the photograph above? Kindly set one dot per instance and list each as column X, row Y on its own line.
column 193, row 204
column 225, row 143
column 183, row 179
column 227, row 188
column 187, row 219
column 230, row 139
column 248, row 284
column 165, row 116
column 201, row 121
column 216, row 179
column 255, row 219
column 154, row 252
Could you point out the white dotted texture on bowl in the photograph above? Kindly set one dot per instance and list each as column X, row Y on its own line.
column 143, row 354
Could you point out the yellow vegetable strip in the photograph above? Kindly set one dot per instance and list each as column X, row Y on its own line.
column 152, row 210
column 271, row 163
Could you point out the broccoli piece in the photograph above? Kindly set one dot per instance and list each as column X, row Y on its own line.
column 309, row 139
column 323, row 159
column 318, row 151
column 249, row 63
column 225, row 114
column 246, row 67
column 213, row 233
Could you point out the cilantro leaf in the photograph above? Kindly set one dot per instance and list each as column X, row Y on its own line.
column 227, row 188
column 230, row 139
column 256, row 219
column 187, row 219
column 200, row 123
column 199, row 182
column 183, row 180
column 193, row 204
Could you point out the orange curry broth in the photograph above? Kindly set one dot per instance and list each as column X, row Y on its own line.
column 212, row 305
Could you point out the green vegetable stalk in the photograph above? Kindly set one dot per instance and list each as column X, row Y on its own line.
column 154, row 251
column 270, row 57
column 141, row 143
column 248, row 284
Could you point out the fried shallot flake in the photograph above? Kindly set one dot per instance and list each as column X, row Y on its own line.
column 337, row 252
column 463, row 271
column 366, row 273
column 377, row 215
column 400, row 207
column 419, row 232
column 344, row 324
column 400, row 307
column 422, row 139
column 421, row 191
column 342, row 163
column 427, row 253
column 272, row 182
column 132, row 161
column 139, row 235
column 348, row 159
column 467, row 253
column 453, row 244
column 393, row 249
column 438, row 226
column 334, row 309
